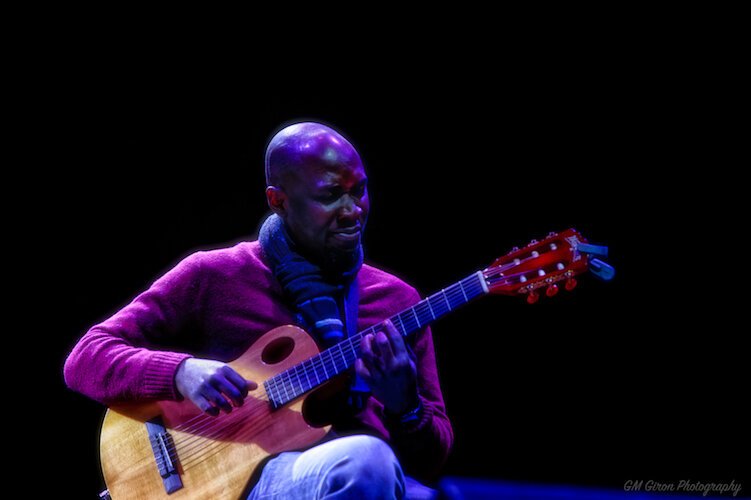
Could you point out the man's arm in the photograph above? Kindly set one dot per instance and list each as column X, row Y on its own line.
column 407, row 385
column 121, row 359
column 125, row 358
column 423, row 440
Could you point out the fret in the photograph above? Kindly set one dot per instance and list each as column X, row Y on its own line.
column 423, row 308
column 454, row 297
column 274, row 389
column 300, row 381
column 294, row 379
column 404, row 319
column 307, row 377
column 284, row 386
column 352, row 354
column 268, row 386
column 416, row 318
column 443, row 292
column 429, row 307
column 463, row 293
column 398, row 323
column 315, row 370
column 332, row 361
column 344, row 358
column 352, row 344
column 292, row 374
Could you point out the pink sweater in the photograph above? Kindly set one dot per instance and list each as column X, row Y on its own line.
column 214, row 305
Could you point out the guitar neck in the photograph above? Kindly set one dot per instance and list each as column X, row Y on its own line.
column 303, row 377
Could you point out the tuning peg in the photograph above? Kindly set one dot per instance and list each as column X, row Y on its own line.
column 589, row 249
column 551, row 290
column 570, row 284
column 532, row 297
column 601, row 269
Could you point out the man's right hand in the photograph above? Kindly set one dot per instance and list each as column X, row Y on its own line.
column 212, row 385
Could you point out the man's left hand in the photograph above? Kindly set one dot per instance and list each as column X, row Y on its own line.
column 386, row 365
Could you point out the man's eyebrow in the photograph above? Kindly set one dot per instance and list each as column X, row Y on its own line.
column 336, row 185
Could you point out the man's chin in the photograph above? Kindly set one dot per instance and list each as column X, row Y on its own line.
column 343, row 258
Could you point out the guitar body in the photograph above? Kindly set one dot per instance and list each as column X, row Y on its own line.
column 215, row 456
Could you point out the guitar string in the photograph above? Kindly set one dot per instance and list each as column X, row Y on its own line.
column 198, row 449
column 215, row 447
column 183, row 454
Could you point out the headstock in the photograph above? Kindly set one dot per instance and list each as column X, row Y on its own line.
column 543, row 264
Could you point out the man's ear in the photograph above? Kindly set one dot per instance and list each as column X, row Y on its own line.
column 277, row 200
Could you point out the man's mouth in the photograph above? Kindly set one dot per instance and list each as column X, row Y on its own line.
column 347, row 234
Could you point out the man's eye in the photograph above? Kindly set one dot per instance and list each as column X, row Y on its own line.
column 328, row 197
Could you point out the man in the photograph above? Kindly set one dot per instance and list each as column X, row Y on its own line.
column 173, row 340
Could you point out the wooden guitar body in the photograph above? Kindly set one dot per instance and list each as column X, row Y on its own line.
column 214, row 456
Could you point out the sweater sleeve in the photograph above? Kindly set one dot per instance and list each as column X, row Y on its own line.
column 123, row 358
column 424, row 446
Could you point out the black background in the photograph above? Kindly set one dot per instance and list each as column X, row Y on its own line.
column 149, row 155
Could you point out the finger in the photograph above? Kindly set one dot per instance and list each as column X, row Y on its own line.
column 384, row 348
column 366, row 352
column 397, row 341
column 370, row 343
column 363, row 371
column 227, row 388
column 240, row 382
column 366, row 345
column 205, row 405
column 216, row 398
column 369, row 359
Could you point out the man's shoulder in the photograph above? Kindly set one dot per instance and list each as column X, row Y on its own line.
column 379, row 282
column 241, row 255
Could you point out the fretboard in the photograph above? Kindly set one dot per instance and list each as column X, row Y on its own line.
column 303, row 377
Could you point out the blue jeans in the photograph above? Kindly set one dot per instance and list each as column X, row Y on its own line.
column 357, row 467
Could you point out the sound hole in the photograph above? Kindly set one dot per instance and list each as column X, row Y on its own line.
column 277, row 350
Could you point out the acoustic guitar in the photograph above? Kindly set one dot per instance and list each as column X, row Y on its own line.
column 169, row 449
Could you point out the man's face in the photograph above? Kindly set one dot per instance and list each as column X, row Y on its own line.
column 327, row 207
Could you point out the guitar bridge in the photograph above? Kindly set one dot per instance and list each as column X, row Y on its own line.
column 165, row 454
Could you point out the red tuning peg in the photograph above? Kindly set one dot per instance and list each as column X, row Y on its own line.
column 552, row 290
column 532, row 297
column 570, row 284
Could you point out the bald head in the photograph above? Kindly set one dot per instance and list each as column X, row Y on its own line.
column 318, row 186
column 306, row 145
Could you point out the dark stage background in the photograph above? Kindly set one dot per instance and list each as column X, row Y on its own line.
column 639, row 378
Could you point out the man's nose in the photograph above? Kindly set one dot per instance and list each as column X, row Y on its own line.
column 350, row 208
